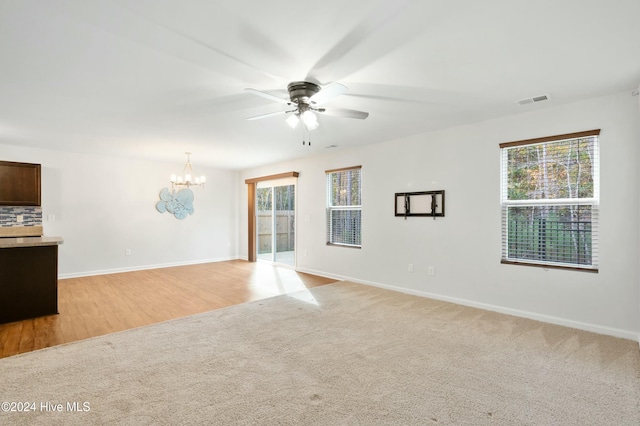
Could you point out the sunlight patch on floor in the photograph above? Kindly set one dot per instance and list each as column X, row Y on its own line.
column 279, row 280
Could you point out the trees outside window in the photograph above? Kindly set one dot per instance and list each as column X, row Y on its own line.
column 344, row 207
column 550, row 201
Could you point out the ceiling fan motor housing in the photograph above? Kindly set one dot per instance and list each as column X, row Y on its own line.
column 301, row 91
column 304, row 98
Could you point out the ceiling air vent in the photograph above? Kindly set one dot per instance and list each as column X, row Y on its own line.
column 533, row 100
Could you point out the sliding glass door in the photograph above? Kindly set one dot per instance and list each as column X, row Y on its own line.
column 275, row 222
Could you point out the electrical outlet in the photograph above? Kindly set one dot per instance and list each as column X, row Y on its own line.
column 410, row 268
column 51, row 217
column 431, row 271
column 19, row 218
column 127, row 252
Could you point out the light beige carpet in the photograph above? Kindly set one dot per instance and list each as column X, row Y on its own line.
column 360, row 356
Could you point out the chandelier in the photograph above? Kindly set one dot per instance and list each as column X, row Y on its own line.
column 187, row 179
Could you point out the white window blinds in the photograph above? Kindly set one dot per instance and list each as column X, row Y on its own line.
column 550, row 198
column 344, row 206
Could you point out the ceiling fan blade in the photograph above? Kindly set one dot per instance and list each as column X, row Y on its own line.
column 268, row 96
column 329, row 92
column 271, row 114
column 381, row 30
column 343, row 112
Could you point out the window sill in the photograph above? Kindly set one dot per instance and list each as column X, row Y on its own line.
column 344, row 245
column 548, row 266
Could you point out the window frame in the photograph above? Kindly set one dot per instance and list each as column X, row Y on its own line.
column 331, row 208
column 593, row 201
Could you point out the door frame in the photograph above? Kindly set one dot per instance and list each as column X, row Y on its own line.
column 252, row 254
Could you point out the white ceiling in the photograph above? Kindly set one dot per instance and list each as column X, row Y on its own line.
column 156, row 78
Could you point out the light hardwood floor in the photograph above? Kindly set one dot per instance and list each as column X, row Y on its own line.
column 102, row 304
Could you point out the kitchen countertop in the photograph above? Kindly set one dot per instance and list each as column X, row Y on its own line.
column 12, row 242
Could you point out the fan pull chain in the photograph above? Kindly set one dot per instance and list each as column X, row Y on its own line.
column 303, row 138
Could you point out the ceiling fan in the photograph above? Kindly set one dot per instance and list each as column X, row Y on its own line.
column 306, row 98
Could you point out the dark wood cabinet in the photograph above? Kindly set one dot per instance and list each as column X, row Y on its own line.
column 28, row 282
column 19, row 184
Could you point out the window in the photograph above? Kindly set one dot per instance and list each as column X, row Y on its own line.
column 550, row 195
column 344, row 207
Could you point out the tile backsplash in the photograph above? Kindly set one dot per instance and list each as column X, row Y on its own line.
column 31, row 216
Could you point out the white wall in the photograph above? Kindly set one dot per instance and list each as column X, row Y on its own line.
column 104, row 205
column 464, row 246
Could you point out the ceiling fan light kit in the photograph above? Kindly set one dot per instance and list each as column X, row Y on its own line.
column 310, row 120
column 306, row 98
column 292, row 121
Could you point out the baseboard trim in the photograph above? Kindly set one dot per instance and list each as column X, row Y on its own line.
column 326, row 275
column 141, row 268
column 599, row 329
column 609, row 331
